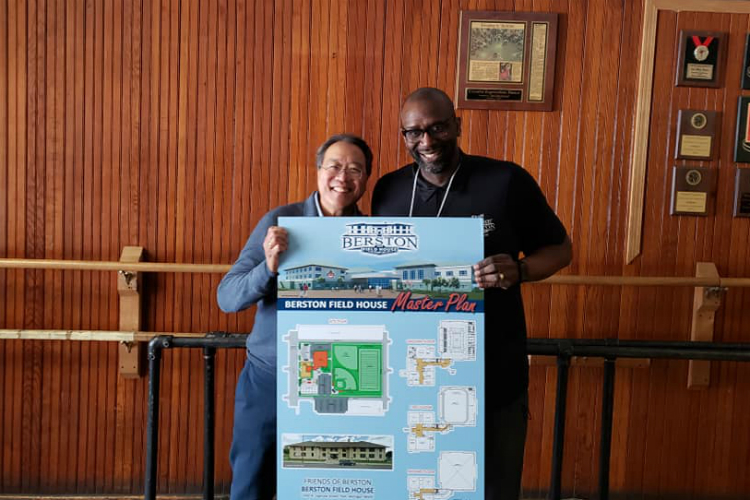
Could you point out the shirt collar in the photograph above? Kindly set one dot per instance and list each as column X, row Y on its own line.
column 316, row 197
column 426, row 190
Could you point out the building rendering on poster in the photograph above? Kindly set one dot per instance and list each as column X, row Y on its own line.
column 381, row 359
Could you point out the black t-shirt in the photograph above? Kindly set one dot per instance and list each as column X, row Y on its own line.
column 517, row 219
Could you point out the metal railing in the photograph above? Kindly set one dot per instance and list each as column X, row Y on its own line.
column 562, row 349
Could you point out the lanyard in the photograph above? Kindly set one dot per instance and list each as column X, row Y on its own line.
column 445, row 197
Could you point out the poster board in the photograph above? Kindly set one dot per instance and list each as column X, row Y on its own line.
column 380, row 359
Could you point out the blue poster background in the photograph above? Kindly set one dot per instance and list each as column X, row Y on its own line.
column 380, row 359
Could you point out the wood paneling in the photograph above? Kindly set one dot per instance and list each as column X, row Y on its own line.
column 175, row 125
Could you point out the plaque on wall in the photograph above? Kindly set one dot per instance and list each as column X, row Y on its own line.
column 746, row 65
column 742, row 141
column 506, row 60
column 700, row 58
column 696, row 134
column 742, row 193
column 692, row 188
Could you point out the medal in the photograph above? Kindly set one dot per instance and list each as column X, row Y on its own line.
column 693, row 177
column 701, row 51
column 698, row 121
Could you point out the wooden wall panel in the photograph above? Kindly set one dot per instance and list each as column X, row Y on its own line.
column 176, row 124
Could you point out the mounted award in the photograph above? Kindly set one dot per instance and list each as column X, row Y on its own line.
column 506, row 60
column 700, row 58
column 696, row 134
column 742, row 140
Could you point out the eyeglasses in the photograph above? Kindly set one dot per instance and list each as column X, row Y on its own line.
column 353, row 172
column 439, row 130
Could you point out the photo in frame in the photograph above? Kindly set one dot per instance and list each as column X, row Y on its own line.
column 506, row 60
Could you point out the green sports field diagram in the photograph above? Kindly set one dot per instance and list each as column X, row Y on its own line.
column 340, row 369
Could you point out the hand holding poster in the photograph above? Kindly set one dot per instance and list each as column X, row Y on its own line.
column 380, row 359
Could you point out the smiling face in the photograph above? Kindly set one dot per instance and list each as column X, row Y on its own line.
column 436, row 150
column 342, row 179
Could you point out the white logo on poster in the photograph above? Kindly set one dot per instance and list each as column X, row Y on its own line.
column 383, row 238
column 489, row 224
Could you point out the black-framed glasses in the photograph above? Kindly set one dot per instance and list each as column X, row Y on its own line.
column 353, row 171
column 439, row 130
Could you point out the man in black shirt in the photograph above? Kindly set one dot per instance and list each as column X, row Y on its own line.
column 445, row 182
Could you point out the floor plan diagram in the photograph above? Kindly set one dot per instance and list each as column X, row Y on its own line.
column 457, row 407
column 339, row 369
column 456, row 341
column 457, row 472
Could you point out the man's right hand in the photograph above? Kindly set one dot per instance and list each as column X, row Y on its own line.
column 276, row 243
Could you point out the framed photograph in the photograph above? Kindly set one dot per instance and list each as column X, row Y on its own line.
column 742, row 141
column 506, row 60
column 700, row 58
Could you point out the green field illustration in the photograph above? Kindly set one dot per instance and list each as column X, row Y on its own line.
column 344, row 369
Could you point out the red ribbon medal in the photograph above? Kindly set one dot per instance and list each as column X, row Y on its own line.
column 701, row 48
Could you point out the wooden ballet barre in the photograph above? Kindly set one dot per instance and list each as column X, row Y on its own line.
column 90, row 335
column 561, row 279
column 87, row 265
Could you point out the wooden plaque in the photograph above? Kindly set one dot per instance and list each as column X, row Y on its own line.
column 506, row 60
column 700, row 58
column 696, row 135
column 692, row 189
column 742, row 193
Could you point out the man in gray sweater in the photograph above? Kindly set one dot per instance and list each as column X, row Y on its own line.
column 344, row 163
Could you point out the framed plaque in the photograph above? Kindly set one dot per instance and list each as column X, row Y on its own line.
column 742, row 193
column 700, row 58
column 692, row 188
column 746, row 65
column 742, row 141
column 696, row 134
column 506, row 60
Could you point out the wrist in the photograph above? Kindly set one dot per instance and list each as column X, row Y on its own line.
column 523, row 271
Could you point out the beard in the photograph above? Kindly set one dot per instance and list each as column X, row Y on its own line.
column 441, row 164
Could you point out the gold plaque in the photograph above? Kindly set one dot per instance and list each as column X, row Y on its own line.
column 699, row 72
column 689, row 202
column 695, row 145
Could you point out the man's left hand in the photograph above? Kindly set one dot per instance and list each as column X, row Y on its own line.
column 496, row 271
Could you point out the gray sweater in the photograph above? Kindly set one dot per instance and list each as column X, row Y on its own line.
column 249, row 282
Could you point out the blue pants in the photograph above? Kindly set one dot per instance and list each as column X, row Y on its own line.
column 253, row 454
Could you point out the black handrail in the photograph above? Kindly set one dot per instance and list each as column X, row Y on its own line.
column 563, row 349
column 209, row 344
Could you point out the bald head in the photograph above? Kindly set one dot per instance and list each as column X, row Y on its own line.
column 435, row 98
column 431, row 129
